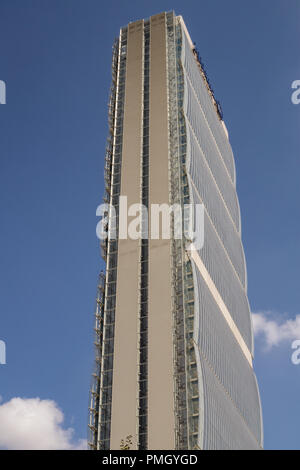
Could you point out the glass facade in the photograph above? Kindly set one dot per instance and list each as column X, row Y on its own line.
column 229, row 403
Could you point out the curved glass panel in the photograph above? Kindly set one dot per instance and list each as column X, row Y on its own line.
column 206, row 188
column 192, row 70
column 228, row 398
column 223, row 353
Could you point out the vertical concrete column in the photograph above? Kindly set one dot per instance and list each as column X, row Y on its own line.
column 161, row 422
column 125, row 368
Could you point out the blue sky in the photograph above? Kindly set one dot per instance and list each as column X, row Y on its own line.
column 55, row 57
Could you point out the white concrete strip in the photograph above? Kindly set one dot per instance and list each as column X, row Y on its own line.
column 219, row 301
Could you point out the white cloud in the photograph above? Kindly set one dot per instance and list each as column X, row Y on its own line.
column 275, row 331
column 35, row 424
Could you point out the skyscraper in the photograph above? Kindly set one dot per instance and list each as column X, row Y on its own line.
column 174, row 340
